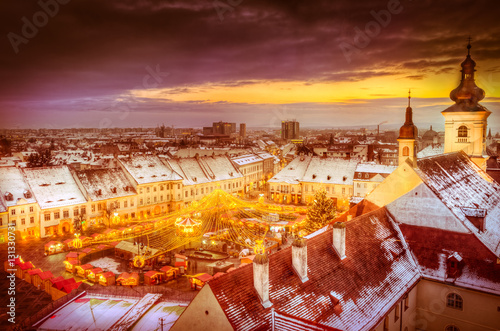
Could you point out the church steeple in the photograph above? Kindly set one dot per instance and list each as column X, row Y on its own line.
column 466, row 120
column 408, row 130
column 408, row 133
column 467, row 94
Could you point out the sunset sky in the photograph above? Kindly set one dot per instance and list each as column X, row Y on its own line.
column 131, row 63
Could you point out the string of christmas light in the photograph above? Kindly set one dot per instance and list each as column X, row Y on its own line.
column 220, row 216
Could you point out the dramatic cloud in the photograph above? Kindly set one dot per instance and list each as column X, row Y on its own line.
column 148, row 62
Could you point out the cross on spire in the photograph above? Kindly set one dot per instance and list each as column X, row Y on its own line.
column 469, row 46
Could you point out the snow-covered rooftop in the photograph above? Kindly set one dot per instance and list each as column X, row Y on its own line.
column 374, row 168
column 12, row 183
column 148, row 169
column 54, row 186
column 314, row 169
column 103, row 184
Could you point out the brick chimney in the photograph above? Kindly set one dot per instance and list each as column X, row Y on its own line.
column 261, row 278
column 339, row 239
column 299, row 258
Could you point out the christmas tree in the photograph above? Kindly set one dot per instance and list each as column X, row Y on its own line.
column 321, row 212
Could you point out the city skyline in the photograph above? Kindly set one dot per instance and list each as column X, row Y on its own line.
column 326, row 65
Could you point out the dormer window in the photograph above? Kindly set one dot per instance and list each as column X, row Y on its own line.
column 328, row 177
column 9, row 196
column 454, row 265
column 27, row 194
column 314, row 176
column 113, row 189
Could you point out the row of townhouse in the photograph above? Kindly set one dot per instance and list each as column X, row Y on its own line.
column 46, row 201
column 342, row 180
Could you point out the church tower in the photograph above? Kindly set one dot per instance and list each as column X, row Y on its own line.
column 466, row 121
column 408, row 133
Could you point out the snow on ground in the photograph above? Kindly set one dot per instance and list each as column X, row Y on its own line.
column 107, row 263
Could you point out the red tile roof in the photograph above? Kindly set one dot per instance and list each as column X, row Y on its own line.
column 46, row 275
column 431, row 247
column 462, row 186
column 375, row 274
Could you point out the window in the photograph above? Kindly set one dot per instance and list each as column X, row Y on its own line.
column 132, row 215
column 386, row 323
column 83, row 210
column 396, row 313
column 65, row 213
column 23, row 221
column 93, row 208
column 31, row 209
column 154, row 199
column 147, row 189
column 359, row 185
column 46, row 217
column 131, row 203
column 462, row 131
column 125, row 204
column 149, row 201
column 22, row 210
column 57, row 215
column 407, row 303
column 161, row 187
column 140, row 202
column 32, row 220
column 99, row 207
column 452, row 328
column 161, row 197
column 154, row 189
column 367, row 176
column 12, row 211
column 406, row 151
column 454, row 301
column 117, row 204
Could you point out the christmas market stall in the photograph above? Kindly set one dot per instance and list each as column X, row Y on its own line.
column 93, row 275
column 30, row 275
column 153, row 277
column 40, row 279
column 68, row 244
column 126, row 279
column 170, row 272
column 199, row 280
column 107, row 279
column 63, row 287
column 23, row 269
column 70, row 265
column 53, row 247
column 83, row 270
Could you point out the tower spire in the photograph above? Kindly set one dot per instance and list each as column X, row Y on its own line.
column 409, row 97
column 469, row 46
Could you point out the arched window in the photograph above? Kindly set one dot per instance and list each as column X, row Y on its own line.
column 462, row 131
column 451, row 328
column 454, row 301
column 406, row 151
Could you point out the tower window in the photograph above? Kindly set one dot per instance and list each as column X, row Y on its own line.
column 462, row 131
column 406, row 151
